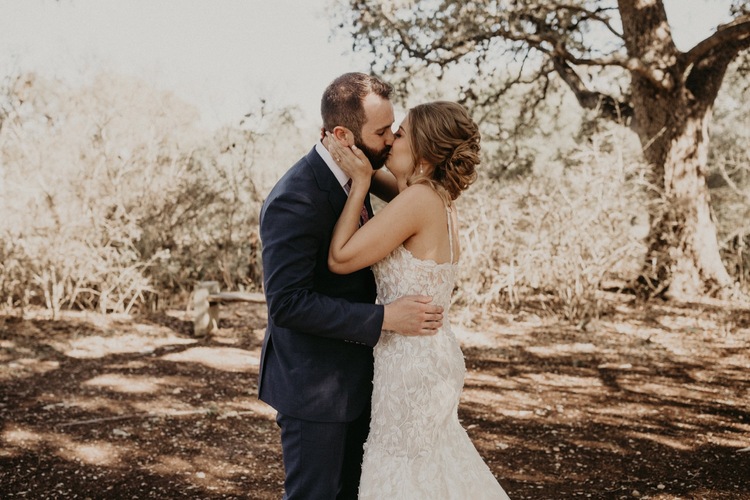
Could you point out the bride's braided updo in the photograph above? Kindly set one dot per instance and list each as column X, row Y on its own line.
column 443, row 134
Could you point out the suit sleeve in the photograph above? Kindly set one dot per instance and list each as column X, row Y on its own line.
column 291, row 242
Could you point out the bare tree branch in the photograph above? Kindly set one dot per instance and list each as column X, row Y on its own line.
column 736, row 33
column 705, row 64
column 608, row 107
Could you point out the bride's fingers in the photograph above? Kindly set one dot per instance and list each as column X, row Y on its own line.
column 358, row 152
column 337, row 150
column 335, row 153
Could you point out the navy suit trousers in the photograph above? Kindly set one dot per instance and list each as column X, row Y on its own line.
column 322, row 460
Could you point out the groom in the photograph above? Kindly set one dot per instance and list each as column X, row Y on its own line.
column 316, row 365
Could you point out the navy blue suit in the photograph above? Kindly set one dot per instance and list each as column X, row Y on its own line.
column 316, row 364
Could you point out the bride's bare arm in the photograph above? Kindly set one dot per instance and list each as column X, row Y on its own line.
column 353, row 248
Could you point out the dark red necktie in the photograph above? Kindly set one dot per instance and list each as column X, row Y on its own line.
column 363, row 215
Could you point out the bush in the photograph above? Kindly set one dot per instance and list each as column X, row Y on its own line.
column 114, row 197
column 560, row 233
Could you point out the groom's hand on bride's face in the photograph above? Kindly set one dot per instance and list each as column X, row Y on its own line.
column 413, row 315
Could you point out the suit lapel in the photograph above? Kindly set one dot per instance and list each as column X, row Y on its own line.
column 327, row 182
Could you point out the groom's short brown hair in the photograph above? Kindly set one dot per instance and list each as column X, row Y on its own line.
column 341, row 104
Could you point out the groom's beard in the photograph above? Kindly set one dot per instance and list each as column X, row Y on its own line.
column 377, row 158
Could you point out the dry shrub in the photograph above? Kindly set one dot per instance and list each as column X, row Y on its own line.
column 113, row 197
column 559, row 233
column 729, row 176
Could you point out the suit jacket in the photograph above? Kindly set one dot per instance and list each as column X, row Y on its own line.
column 316, row 362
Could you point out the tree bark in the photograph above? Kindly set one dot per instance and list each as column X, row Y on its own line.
column 683, row 259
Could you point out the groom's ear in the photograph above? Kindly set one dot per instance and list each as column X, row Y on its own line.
column 344, row 135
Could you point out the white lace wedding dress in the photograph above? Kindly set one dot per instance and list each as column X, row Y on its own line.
column 417, row 448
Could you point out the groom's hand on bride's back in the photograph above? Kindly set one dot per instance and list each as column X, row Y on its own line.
column 413, row 315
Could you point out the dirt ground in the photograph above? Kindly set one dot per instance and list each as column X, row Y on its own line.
column 649, row 401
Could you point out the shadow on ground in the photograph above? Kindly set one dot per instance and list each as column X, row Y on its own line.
column 650, row 401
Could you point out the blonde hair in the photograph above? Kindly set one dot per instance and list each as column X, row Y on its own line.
column 443, row 134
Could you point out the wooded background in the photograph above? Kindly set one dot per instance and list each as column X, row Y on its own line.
column 612, row 160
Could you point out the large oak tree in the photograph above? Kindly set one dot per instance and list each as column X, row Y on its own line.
column 619, row 59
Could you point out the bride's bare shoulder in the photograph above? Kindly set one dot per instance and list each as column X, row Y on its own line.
column 422, row 194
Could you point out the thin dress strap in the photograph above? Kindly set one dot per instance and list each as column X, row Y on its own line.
column 450, row 230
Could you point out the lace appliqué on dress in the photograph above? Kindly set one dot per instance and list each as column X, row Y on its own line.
column 417, row 448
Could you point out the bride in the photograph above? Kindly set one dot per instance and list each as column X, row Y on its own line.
column 416, row 448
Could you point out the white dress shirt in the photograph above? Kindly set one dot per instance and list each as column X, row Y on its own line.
column 326, row 155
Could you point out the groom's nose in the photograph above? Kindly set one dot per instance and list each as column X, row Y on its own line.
column 389, row 137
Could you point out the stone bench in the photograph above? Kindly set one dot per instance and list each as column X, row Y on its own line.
column 207, row 297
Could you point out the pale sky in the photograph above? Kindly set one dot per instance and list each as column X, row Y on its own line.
column 220, row 55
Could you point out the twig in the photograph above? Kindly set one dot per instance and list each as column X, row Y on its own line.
column 135, row 415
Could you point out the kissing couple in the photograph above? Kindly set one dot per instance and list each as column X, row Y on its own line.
column 359, row 359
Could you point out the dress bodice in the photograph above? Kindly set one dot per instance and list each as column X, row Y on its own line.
column 401, row 273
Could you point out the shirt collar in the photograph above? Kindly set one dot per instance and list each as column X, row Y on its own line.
column 326, row 155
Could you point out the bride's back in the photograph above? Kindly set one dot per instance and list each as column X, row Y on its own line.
column 437, row 239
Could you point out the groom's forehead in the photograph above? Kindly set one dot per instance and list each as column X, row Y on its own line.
column 378, row 112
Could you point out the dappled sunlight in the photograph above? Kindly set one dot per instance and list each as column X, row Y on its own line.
column 531, row 476
column 100, row 453
column 738, row 441
column 213, row 470
column 21, row 437
column 554, row 409
column 481, row 338
column 169, row 464
column 255, row 406
column 29, row 366
column 737, row 362
column 124, row 383
column 97, row 346
column 218, row 468
column 619, row 411
column 143, row 384
column 170, row 407
column 85, row 403
column 514, row 404
column 671, row 388
column 18, row 360
column 551, row 379
column 228, row 359
column 664, row 440
column 561, row 349
column 617, row 417
column 478, row 378
column 5, row 347
column 605, row 446
column 673, row 319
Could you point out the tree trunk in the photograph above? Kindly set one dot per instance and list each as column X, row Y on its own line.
column 683, row 259
column 671, row 118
